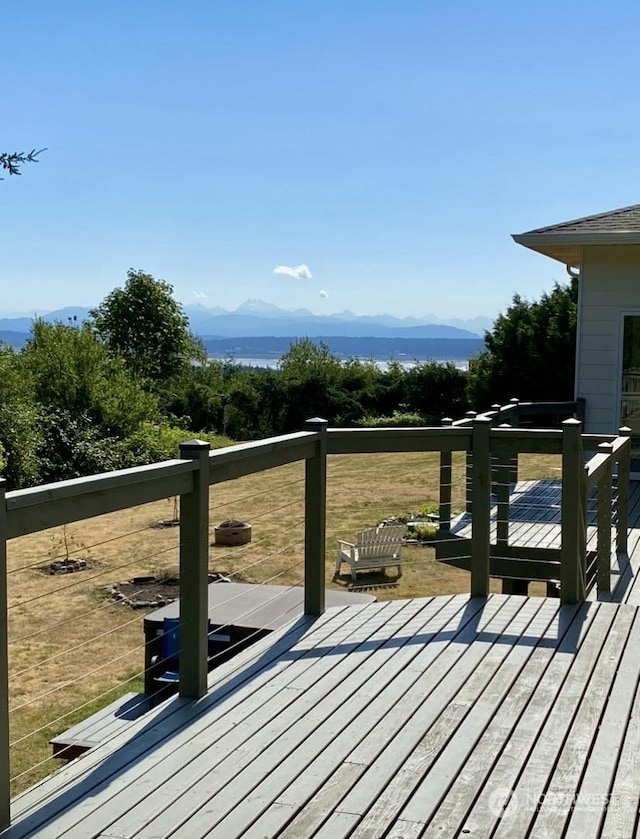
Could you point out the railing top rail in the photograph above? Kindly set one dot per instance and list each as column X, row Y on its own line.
column 249, row 458
column 39, row 508
column 371, row 440
column 408, row 431
column 544, row 407
column 597, row 465
column 20, row 499
column 503, row 413
column 255, row 448
column 152, row 482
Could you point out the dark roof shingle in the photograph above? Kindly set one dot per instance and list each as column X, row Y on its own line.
column 624, row 220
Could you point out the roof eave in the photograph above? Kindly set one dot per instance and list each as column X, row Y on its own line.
column 568, row 247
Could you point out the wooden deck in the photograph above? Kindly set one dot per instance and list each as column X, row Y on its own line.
column 448, row 716
column 534, row 522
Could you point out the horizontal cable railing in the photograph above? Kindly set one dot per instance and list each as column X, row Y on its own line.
column 478, row 465
column 267, row 560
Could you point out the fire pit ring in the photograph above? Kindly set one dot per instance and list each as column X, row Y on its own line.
column 232, row 532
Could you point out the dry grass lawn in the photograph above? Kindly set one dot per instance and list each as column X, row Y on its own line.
column 72, row 651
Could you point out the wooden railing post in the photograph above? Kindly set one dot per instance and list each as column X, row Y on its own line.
column 446, row 476
column 515, row 422
column 469, row 474
column 573, row 528
column 481, row 516
column 624, row 487
column 5, row 773
column 315, row 521
column 603, row 568
column 503, row 490
column 194, row 570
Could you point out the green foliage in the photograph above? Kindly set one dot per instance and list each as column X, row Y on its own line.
column 73, row 373
column 428, row 510
column 435, row 391
column 530, row 352
column 312, row 381
column 153, row 442
column 144, row 326
column 425, row 532
column 84, row 404
column 196, row 397
column 255, row 405
column 19, row 438
column 73, row 445
column 397, row 420
column 12, row 161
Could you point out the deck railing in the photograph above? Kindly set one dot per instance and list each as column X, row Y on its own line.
column 596, row 489
column 31, row 510
column 192, row 474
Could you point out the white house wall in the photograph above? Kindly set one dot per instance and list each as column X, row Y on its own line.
column 610, row 285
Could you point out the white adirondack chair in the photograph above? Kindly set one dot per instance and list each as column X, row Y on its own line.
column 377, row 547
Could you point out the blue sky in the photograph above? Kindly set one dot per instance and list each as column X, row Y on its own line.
column 391, row 147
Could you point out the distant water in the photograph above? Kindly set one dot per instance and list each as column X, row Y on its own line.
column 272, row 363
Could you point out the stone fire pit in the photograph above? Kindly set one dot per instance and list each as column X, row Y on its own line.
column 232, row 532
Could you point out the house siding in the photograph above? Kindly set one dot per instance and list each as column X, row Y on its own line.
column 610, row 284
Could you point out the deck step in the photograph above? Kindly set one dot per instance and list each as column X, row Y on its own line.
column 100, row 727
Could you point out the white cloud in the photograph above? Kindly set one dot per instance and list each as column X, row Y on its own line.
column 324, row 293
column 199, row 295
column 300, row 272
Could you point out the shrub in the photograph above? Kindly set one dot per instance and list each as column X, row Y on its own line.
column 397, row 420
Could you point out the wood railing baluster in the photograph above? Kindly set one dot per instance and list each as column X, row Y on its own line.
column 481, row 518
column 573, row 527
column 624, row 487
column 603, row 568
column 446, row 476
column 194, row 569
column 315, row 515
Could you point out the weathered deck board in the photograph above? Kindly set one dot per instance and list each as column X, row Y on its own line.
column 121, row 776
column 253, row 670
column 380, row 774
column 406, row 718
column 566, row 779
column 602, row 765
column 424, row 775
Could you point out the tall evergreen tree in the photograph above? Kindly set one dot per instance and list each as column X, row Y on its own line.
column 530, row 353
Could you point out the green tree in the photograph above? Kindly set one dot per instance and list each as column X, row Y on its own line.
column 313, row 385
column 87, row 402
column 196, row 397
column 72, row 372
column 435, row 390
column 143, row 324
column 19, row 434
column 530, row 353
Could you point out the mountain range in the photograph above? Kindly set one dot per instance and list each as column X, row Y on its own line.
column 256, row 318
